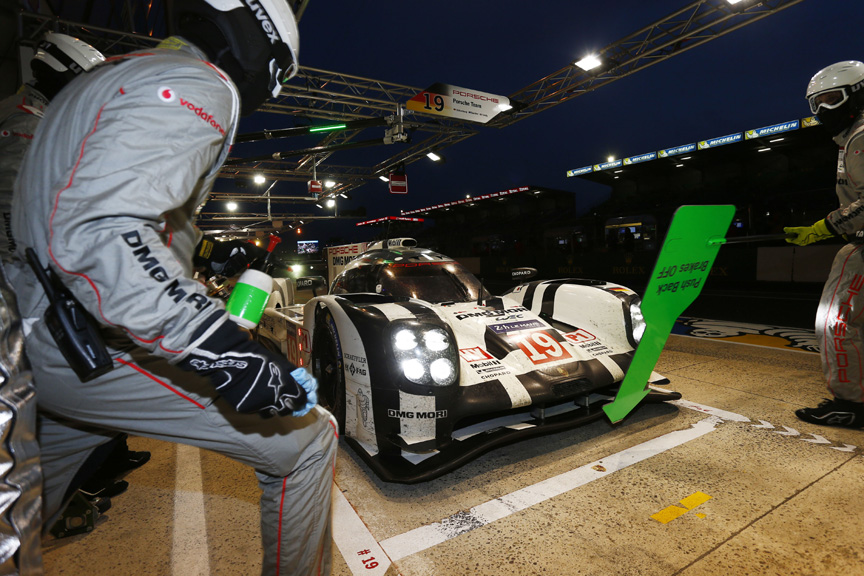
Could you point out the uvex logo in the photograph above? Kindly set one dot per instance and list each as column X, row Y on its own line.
column 264, row 19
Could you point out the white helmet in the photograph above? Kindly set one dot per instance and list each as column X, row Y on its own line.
column 58, row 59
column 255, row 41
column 836, row 94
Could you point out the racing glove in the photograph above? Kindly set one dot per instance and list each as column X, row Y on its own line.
column 248, row 376
column 809, row 234
column 226, row 258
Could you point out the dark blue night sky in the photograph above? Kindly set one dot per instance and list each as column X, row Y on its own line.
column 749, row 78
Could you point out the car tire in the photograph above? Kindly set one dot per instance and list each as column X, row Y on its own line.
column 327, row 366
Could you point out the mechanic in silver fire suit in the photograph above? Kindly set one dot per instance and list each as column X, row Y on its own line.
column 115, row 172
column 57, row 60
column 836, row 96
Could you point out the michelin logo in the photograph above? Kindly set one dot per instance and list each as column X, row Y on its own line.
column 769, row 130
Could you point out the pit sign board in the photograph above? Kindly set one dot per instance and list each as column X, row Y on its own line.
column 684, row 263
column 461, row 103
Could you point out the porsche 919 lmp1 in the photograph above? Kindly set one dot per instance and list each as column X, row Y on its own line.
column 424, row 369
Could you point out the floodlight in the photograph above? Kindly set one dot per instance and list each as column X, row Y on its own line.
column 383, row 178
column 589, row 62
column 259, row 179
column 433, row 156
column 232, row 206
column 329, row 183
column 331, row 202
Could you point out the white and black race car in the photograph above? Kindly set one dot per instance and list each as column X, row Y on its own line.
column 425, row 370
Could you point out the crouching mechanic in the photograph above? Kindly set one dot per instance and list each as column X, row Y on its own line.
column 836, row 96
column 116, row 170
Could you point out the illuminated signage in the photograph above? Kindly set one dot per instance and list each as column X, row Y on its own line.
column 607, row 165
column 676, row 150
column 580, row 171
column 771, row 130
column 640, row 158
column 721, row 141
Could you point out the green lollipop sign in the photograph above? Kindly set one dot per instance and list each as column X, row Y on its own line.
column 692, row 243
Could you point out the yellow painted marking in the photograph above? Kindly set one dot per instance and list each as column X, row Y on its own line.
column 690, row 502
column 695, row 499
column 668, row 514
column 700, row 515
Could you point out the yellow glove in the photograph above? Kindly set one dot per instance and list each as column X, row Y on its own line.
column 805, row 235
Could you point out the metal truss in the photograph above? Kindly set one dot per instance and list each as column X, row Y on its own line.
column 335, row 97
column 692, row 26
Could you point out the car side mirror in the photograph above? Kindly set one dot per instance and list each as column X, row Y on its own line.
column 521, row 274
column 315, row 283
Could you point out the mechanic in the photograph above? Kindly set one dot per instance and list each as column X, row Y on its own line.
column 836, row 96
column 58, row 59
column 114, row 175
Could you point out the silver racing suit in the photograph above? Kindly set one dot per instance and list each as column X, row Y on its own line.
column 21, row 481
column 106, row 198
column 839, row 320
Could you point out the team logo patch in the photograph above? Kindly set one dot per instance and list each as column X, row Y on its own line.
column 166, row 94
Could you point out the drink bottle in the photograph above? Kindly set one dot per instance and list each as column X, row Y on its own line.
column 249, row 297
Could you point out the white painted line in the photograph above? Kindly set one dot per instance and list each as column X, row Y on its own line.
column 189, row 554
column 431, row 535
column 358, row 547
column 722, row 414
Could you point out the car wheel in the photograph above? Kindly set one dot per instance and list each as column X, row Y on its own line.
column 327, row 367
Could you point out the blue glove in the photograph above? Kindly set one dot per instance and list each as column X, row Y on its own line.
column 805, row 235
column 310, row 385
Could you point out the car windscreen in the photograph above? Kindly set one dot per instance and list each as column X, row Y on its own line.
column 430, row 281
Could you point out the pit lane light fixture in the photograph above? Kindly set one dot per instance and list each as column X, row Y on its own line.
column 330, row 202
column 589, row 62
column 383, row 178
column 259, row 179
column 329, row 183
column 231, row 206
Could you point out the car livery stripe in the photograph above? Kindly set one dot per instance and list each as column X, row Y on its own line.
column 547, row 304
column 512, row 384
column 528, row 296
column 612, row 367
column 393, row 311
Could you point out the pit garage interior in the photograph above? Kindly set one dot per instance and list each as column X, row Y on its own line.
column 724, row 481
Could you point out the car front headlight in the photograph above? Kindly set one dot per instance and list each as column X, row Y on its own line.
column 637, row 321
column 425, row 353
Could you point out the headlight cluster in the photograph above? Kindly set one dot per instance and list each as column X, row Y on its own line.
column 425, row 354
column 637, row 320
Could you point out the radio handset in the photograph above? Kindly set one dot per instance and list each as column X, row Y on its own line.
column 72, row 328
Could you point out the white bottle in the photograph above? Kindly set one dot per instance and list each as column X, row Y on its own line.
column 249, row 298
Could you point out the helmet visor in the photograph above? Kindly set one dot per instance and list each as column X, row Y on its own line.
column 830, row 99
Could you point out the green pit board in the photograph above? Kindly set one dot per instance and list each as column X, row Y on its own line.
column 692, row 243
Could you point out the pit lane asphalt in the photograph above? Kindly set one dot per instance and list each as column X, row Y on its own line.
column 726, row 482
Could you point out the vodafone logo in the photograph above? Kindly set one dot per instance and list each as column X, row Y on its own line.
column 166, row 94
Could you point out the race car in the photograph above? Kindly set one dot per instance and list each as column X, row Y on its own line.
column 424, row 369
